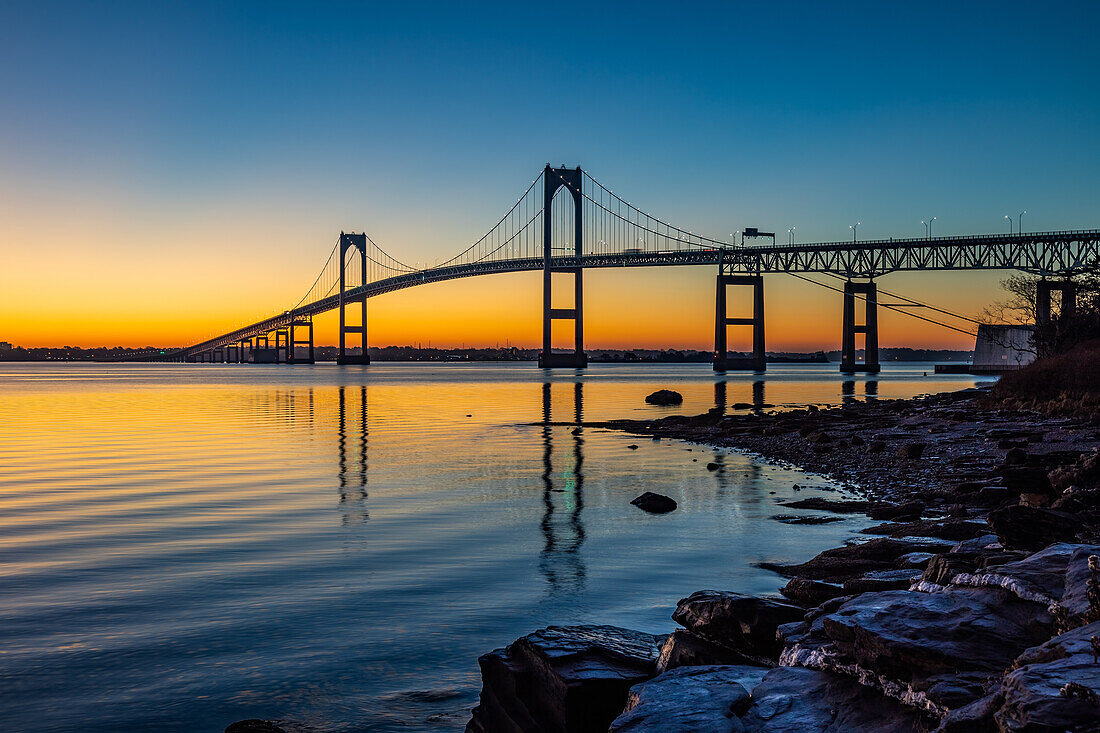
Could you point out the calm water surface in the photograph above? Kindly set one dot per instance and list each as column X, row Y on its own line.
column 182, row 546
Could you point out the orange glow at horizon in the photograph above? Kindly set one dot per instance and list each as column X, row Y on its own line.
column 104, row 276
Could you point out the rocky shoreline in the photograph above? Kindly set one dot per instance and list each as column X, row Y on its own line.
column 974, row 606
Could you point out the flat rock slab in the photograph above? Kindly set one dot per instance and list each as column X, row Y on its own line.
column 689, row 700
column 799, row 700
column 905, row 635
column 841, row 563
column 562, row 678
column 1036, row 697
column 1040, row 577
column 746, row 623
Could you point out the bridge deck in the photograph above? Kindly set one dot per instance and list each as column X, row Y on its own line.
column 1043, row 253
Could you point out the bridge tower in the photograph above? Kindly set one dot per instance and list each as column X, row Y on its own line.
column 1066, row 288
column 722, row 362
column 571, row 179
column 869, row 329
column 359, row 243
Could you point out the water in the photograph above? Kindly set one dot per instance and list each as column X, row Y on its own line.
column 182, row 546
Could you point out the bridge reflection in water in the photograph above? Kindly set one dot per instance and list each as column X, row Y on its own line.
column 848, row 390
column 560, row 560
column 351, row 446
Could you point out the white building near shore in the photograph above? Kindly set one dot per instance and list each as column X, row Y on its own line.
column 1002, row 348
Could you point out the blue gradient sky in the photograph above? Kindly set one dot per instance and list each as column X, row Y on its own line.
column 202, row 156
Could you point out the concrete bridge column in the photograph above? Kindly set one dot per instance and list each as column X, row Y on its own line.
column 1043, row 289
column 758, row 361
column 295, row 342
column 357, row 242
column 848, row 363
column 571, row 179
column 282, row 346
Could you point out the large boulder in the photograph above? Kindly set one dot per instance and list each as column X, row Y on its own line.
column 1055, row 686
column 665, row 397
column 798, row 700
column 688, row 700
column 746, row 623
column 562, row 678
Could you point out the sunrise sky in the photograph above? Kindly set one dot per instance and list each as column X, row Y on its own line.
column 172, row 171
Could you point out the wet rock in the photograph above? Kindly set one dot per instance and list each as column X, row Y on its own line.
column 890, row 511
column 976, row 717
column 841, row 563
column 562, row 678
column 798, row 700
column 712, row 466
column 665, row 397
column 811, row 592
column 806, row 519
column 951, row 529
column 682, row 648
column 916, row 560
column 254, row 725
column 655, row 503
column 982, row 544
column 882, row 580
column 1032, row 528
column 1039, row 577
column 876, row 446
column 1055, row 686
column 907, row 636
column 688, row 700
column 832, row 505
column 1080, row 602
column 746, row 623
column 1016, row 456
column 911, row 451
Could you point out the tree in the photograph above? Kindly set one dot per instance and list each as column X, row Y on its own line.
column 1064, row 330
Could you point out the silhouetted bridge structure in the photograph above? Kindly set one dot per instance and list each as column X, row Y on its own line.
column 567, row 222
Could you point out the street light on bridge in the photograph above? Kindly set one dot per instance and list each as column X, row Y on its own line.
column 853, row 227
column 928, row 226
column 790, row 235
column 1020, row 223
column 1009, row 223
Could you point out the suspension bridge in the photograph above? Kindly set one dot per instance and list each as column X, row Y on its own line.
column 567, row 221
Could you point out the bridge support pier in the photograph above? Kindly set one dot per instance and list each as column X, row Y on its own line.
column 295, row 342
column 571, row 180
column 722, row 361
column 848, row 363
column 282, row 346
column 1043, row 289
column 357, row 242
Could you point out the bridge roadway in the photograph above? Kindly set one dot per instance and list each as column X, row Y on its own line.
column 1051, row 254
